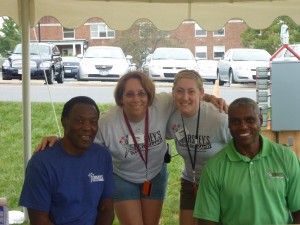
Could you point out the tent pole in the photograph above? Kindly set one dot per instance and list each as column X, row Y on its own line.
column 25, row 25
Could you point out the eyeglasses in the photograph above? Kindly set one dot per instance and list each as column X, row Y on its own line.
column 140, row 94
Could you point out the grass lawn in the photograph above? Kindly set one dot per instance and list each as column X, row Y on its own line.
column 43, row 123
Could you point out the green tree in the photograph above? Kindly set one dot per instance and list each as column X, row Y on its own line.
column 269, row 38
column 11, row 35
column 142, row 39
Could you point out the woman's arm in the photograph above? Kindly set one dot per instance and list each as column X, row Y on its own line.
column 218, row 102
column 47, row 141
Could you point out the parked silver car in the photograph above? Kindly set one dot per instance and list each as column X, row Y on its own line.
column 165, row 63
column 103, row 63
column 208, row 69
column 239, row 65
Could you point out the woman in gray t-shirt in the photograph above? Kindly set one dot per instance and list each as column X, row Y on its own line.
column 199, row 130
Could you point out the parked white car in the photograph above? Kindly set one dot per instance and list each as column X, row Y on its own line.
column 208, row 69
column 239, row 65
column 103, row 63
column 166, row 62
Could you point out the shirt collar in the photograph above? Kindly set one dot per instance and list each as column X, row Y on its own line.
column 234, row 155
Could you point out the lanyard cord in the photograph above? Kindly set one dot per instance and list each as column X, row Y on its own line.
column 197, row 141
column 145, row 160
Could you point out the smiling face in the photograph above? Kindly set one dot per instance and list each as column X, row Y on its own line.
column 134, row 100
column 244, row 124
column 80, row 128
column 187, row 96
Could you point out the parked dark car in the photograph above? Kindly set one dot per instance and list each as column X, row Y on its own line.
column 45, row 60
column 71, row 64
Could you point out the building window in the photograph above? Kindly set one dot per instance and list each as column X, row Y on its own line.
column 199, row 32
column 101, row 31
column 220, row 32
column 201, row 52
column 69, row 33
column 218, row 51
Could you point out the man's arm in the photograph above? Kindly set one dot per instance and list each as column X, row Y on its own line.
column 296, row 217
column 206, row 222
column 38, row 217
column 105, row 212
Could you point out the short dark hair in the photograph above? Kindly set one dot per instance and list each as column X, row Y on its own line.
column 244, row 101
column 146, row 83
column 79, row 99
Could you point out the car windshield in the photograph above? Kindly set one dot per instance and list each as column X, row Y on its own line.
column 173, row 53
column 104, row 53
column 34, row 50
column 251, row 56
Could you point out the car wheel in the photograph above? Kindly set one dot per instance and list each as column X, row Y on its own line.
column 61, row 77
column 6, row 77
column 220, row 81
column 231, row 78
column 50, row 77
column 78, row 77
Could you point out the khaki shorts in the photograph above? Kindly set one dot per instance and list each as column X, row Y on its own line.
column 187, row 197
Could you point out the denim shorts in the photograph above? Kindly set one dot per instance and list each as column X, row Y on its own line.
column 125, row 190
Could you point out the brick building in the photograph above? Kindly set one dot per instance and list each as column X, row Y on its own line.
column 204, row 44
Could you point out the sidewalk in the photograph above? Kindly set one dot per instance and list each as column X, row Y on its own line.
column 75, row 82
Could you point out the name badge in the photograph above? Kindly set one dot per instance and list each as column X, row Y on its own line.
column 180, row 133
column 139, row 139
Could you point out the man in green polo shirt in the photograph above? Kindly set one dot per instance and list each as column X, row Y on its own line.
column 252, row 180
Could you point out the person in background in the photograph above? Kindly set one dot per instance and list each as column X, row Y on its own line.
column 134, row 131
column 200, row 130
column 71, row 182
column 252, row 180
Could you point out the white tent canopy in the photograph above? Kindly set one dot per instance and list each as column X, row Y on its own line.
column 121, row 14
column 165, row 14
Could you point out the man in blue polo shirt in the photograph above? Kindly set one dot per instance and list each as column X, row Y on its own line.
column 252, row 180
column 71, row 182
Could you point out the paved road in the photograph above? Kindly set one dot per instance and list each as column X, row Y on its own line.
column 101, row 92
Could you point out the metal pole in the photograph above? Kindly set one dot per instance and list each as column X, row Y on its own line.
column 25, row 25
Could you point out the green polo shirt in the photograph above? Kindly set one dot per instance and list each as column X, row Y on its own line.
column 234, row 189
